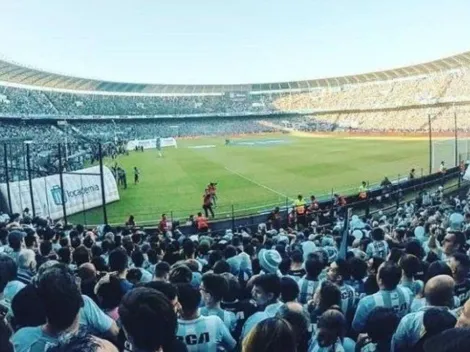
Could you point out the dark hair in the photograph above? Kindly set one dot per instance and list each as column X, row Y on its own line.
column 216, row 285
column 300, row 323
column 136, row 237
column 81, row 255
column 381, row 324
column 149, row 319
column 29, row 239
column 60, row 295
column 377, row 234
column 357, row 268
column 410, row 265
column 88, row 242
column 100, row 264
column 110, row 294
column 221, row 267
column 96, row 251
column 414, row 247
column 75, row 242
column 330, row 296
column 297, row 256
column 451, row 340
column 436, row 320
column 107, row 245
column 180, row 274
column 390, row 274
column 230, row 251
column 64, row 254
column 271, row 335
column 463, row 264
column 189, row 248
column 333, row 320
column 152, row 256
column 138, row 258
column 437, row 268
column 162, row 269
column 5, row 334
column 395, row 254
column 289, row 289
column 134, row 275
column 189, row 298
column 28, row 309
column 118, row 260
column 313, row 266
column 342, row 269
column 8, row 270
column 269, row 283
column 169, row 290
column 233, row 288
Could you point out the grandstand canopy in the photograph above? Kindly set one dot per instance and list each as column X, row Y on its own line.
column 17, row 74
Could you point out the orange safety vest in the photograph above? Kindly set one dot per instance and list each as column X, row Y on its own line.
column 202, row 222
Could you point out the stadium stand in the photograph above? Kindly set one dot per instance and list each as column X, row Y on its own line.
column 393, row 279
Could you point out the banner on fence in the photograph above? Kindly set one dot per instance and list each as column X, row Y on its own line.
column 151, row 143
column 82, row 191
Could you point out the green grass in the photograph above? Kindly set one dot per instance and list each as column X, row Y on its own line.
column 175, row 183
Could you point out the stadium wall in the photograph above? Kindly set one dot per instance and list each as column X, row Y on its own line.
column 82, row 191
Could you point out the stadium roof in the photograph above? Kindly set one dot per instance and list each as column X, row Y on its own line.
column 17, row 74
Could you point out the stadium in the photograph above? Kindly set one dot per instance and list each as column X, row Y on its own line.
column 262, row 143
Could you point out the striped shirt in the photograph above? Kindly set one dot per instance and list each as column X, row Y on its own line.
column 307, row 289
column 348, row 299
column 229, row 318
column 399, row 299
column 378, row 249
column 205, row 334
column 415, row 286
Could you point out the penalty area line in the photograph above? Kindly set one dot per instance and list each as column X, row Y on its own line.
column 255, row 183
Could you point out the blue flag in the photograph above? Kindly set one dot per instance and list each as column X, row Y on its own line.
column 343, row 248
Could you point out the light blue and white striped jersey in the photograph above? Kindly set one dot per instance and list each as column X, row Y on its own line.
column 410, row 330
column 415, row 286
column 205, row 334
column 378, row 249
column 229, row 318
column 348, row 298
column 307, row 289
column 399, row 299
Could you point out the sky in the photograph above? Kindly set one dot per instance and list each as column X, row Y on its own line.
column 221, row 41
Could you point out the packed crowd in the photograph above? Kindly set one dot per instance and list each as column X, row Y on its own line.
column 443, row 86
column 389, row 282
column 19, row 101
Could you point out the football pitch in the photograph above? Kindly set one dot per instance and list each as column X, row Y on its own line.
column 253, row 173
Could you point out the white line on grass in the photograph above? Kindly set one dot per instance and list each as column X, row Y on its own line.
column 255, row 183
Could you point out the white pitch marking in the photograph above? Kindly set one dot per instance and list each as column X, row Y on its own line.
column 256, row 183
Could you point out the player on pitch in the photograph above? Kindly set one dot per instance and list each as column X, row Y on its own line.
column 159, row 147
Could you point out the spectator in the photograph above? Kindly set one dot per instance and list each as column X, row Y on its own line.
column 149, row 321
column 380, row 326
column 266, row 292
column 213, row 289
column 9, row 286
column 439, row 292
column 272, row 334
column 118, row 262
column 389, row 296
column 299, row 321
column 199, row 332
column 452, row 340
column 289, row 290
column 309, row 284
column 162, row 271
